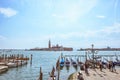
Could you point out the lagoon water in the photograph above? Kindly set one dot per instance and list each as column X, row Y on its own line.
column 45, row 59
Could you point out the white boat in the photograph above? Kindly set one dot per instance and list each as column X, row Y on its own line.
column 2, row 63
column 16, row 63
column 11, row 64
column 3, row 69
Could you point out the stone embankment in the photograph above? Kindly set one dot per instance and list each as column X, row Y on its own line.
column 98, row 75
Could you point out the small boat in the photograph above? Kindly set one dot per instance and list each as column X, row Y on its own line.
column 79, row 62
column 52, row 75
column 67, row 62
column 3, row 69
column 73, row 62
column 11, row 64
column 62, row 62
column 2, row 63
column 16, row 63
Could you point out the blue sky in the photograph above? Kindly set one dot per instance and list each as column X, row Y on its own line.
column 71, row 23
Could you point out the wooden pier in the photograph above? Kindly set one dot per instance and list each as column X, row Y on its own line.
column 12, row 61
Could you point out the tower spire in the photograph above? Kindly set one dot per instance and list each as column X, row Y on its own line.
column 49, row 44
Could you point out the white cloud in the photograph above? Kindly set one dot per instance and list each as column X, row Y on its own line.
column 2, row 37
column 111, row 29
column 100, row 16
column 72, row 11
column 70, row 38
column 58, row 16
column 107, row 30
column 8, row 12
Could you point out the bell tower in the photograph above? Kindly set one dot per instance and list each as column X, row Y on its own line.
column 49, row 44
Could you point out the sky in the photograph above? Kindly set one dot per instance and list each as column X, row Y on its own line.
column 27, row 24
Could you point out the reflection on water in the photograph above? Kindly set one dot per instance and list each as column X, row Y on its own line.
column 67, row 68
column 61, row 67
column 75, row 67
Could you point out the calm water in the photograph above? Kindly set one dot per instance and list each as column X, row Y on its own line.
column 46, row 60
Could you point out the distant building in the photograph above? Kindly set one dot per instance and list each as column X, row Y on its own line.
column 100, row 49
column 53, row 48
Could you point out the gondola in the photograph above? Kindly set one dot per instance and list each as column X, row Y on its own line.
column 67, row 62
column 73, row 63
column 52, row 75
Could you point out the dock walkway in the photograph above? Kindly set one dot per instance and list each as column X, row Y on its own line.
column 98, row 75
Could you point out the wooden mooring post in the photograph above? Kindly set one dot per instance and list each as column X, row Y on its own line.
column 41, row 74
column 58, row 68
column 31, row 59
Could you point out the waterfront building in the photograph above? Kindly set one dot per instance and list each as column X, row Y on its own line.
column 53, row 48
